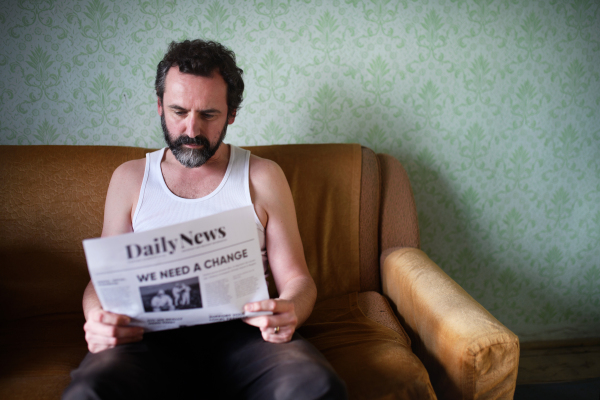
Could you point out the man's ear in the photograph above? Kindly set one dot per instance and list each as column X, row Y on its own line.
column 231, row 117
column 159, row 104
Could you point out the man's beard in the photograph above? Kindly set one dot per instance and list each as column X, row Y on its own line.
column 191, row 158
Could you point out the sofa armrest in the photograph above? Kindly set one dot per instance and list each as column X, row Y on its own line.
column 468, row 353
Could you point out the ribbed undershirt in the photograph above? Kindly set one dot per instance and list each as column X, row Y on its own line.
column 157, row 206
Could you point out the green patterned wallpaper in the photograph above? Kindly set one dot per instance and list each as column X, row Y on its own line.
column 493, row 106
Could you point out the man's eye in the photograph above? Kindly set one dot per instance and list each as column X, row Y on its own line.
column 180, row 113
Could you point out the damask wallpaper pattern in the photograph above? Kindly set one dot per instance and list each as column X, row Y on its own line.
column 491, row 105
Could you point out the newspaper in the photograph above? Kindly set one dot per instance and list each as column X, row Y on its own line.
column 196, row 272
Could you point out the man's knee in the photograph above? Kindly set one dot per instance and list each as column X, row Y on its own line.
column 81, row 390
column 112, row 374
column 306, row 378
column 318, row 381
column 94, row 375
column 89, row 383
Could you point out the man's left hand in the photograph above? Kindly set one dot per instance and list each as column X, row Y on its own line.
column 276, row 328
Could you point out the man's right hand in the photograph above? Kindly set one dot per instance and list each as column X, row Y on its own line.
column 105, row 330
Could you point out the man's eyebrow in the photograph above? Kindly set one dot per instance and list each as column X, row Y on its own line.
column 207, row 111
column 210, row 111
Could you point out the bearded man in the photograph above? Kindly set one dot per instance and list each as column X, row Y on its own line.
column 199, row 89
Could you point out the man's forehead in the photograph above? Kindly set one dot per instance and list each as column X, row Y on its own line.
column 176, row 77
column 190, row 91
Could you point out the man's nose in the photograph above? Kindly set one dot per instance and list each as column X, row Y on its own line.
column 194, row 125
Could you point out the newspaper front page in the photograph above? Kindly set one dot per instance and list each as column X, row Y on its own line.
column 196, row 272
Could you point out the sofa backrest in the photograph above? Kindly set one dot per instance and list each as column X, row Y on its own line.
column 398, row 222
column 52, row 197
column 388, row 214
column 325, row 180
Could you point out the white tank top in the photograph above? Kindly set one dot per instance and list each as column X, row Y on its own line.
column 157, row 206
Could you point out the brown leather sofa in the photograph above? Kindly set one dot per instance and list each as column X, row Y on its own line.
column 390, row 321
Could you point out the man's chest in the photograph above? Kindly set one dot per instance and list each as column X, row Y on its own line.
column 194, row 183
column 192, row 187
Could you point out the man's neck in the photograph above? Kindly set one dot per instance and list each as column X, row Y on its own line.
column 196, row 182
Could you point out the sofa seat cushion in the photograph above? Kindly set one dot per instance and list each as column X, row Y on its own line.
column 372, row 355
column 38, row 354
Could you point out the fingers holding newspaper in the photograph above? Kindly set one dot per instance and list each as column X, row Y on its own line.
column 276, row 328
column 105, row 330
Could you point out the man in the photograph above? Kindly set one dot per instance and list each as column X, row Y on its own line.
column 184, row 294
column 199, row 89
column 177, row 293
column 181, row 294
column 162, row 302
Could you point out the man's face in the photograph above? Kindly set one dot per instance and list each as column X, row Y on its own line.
column 191, row 157
column 194, row 116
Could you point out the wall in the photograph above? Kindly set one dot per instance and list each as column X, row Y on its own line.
column 492, row 106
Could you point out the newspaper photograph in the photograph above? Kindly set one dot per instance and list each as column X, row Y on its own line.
column 192, row 273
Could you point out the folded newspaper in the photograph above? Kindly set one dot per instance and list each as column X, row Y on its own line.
column 196, row 272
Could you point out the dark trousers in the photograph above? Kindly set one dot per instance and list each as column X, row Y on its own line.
column 227, row 360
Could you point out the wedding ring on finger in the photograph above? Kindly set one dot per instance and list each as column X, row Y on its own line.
column 276, row 330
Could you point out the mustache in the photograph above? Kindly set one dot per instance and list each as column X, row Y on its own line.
column 198, row 140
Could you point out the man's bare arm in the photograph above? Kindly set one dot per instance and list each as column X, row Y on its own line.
column 274, row 206
column 104, row 329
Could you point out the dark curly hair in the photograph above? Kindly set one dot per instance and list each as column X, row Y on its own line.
column 202, row 58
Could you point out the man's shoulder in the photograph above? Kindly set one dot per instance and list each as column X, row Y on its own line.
column 131, row 169
column 268, row 182
column 128, row 176
column 263, row 170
